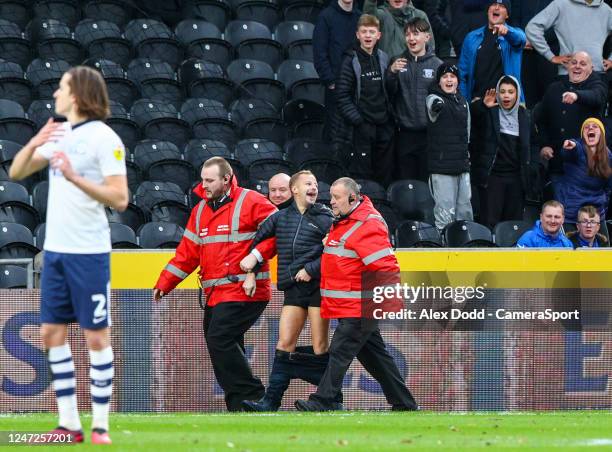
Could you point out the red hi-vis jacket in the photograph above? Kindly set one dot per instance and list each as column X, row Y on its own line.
column 355, row 245
column 216, row 241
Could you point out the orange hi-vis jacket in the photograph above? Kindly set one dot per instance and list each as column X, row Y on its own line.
column 355, row 245
column 216, row 241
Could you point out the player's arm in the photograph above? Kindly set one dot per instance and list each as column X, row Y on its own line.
column 27, row 161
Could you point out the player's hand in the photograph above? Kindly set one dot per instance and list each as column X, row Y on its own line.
column 302, row 276
column 500, row 30
column 249, row 285
column 158, row 294
column 60, row 162
column 490, row 99
column 607, row 64
column 547, row 152
column 569, row 145
column 248, row 262
column 561, row 59
column 569, row 97
column 51, row 131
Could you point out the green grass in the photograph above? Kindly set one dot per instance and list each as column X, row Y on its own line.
column 354, row 431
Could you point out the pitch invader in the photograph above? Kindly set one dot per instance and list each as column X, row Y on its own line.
column 86, row 172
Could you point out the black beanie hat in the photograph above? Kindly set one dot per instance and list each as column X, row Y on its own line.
column 444, row 68
column 505, row 3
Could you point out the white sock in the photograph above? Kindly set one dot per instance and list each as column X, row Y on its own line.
column 101, row 373
column 64, row 384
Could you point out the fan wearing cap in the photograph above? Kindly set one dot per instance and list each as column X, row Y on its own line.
column 490, row 52
column 448, row 159
column 586, row 165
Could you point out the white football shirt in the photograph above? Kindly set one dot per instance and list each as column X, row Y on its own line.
column 76, row 223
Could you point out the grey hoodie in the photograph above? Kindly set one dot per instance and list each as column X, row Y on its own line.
column 508, row 119
column 578, row 26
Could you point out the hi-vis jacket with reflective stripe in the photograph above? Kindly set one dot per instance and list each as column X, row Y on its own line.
column 356, row 244
column 216, row 241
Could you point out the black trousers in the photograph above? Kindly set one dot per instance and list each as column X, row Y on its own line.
column 372, row 156
column 411, row 155
column 224, row 327
column 360, row 338
column 501, row 200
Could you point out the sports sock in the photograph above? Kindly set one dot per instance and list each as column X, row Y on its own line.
column 64, row 384
column 101, row 373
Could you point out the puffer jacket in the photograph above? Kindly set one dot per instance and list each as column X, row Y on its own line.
column 299, row 242
column 601, row 241
column 537, row 238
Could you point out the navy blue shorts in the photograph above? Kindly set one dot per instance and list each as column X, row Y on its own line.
column 76, row 288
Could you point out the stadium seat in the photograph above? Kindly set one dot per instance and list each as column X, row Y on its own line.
column 54, row 39
column 251, row 150
column 45, row 75
column 13, row 85
column 209, row 118
column 162, row 160
column 215, row 11
column 154, row 40
column 467, row 234
column 264, row 169
column 326, row 170
column 16, row 11
column 262, row 11
column 260, row 186
column 267, row 129
column 120, row 88
column 416, row 234
column 39, row 235
column 14, row 46
column 296, row 39
column 205, row 79
column 301, row 80
column 40, row 193
column 16, row 241
column 507, row 233
column 15, row 205
column 204, row 41
column 14, row 124
column 27, row 182
column 197, row 151
column 118, row 11
column 306, row 10
column 255, row 79
column 67, row 11
column 300, row 150
column 151, row 193
column 412, row 200
column 324, row 196
column 133, row 216
column 253, row 40
column 122, row 236
column 242, row 111
column 121, row 122
column 41, row 110
column 160, row 235
column 156, row 80
column 8, row 149
column 13, row 277
column 103, row 41
column 389, row 216
column 305, row 118
column 372, row 189
column 160, row 121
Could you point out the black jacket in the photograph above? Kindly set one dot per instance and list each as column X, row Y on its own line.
column 299, row 242
column 557, row 121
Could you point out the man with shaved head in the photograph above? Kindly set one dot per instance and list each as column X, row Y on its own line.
column 565, row 106
column 278, row 190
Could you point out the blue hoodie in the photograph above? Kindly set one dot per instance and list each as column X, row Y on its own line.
column 537, row 238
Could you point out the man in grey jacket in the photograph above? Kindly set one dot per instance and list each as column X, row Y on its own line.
column 580, row 25
column 393, row 16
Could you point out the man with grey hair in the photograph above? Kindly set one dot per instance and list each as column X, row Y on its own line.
column 356, row 247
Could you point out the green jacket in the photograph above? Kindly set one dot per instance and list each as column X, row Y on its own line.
column 393, row 41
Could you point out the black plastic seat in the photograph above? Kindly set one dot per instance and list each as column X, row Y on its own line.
column 255, row 79
column 154, row 40
column 54, row 39
column 13, row 85
column 242, row 111
column 103, row 40
column 197, row 151
column 27, row 182
column 203, row 40
column 117, row 11
column 388, row 215
column 39, row 235
column 507, row 233
column 300, row 150
column 324, row 195
column 326, row 170
column 412, row 200
column 267, row 129
column 14, row 124
column 205, row 79
column 304, row 10
column 67, row 11
column 209, row 118
column 40, row 194
column 20, row 213
column 151, row 193
column 416, row 234
column 16, row 11
column 301, row 80
column 13, row 277
column 41, row 110
column 120, row 88
column 133, row 216
column 262, row 11
column 16, row 241
column 45, row 75
column 252, row 150
column 305, row 118
column 467, row 234
column 123, row 125
column 160, row 121
column 160, row 235
column 162, row 161
column 264, row 169
column 8, row 149
column 253, row 40
column 156, row 80
column 14, row 46
column 372, row 189
column 214, row 11
column 296, row 39
column 260, row 186
column 123, row 237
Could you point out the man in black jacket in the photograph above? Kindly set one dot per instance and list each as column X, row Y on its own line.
column 364, row 107
column 565, row 106
column 299, row 231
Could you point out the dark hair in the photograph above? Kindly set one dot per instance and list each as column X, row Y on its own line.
column 89, row 89
column 507, row 80
column 417, row 24
column 589, row 210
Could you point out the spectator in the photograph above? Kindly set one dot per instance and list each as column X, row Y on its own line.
column 334, row 32
column 393, row 16
column 448, row 158
column 279, row 193
column 502, row 165
column 567, row 103
column 587, row 235
column 408, row 80
column 436, row 11
column 367, row 132
column 490, row 52
column 547, row 231
column 465, row 16
column 579, row 25
column 586, row 164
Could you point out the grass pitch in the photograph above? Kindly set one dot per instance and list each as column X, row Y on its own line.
column 354, row 431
